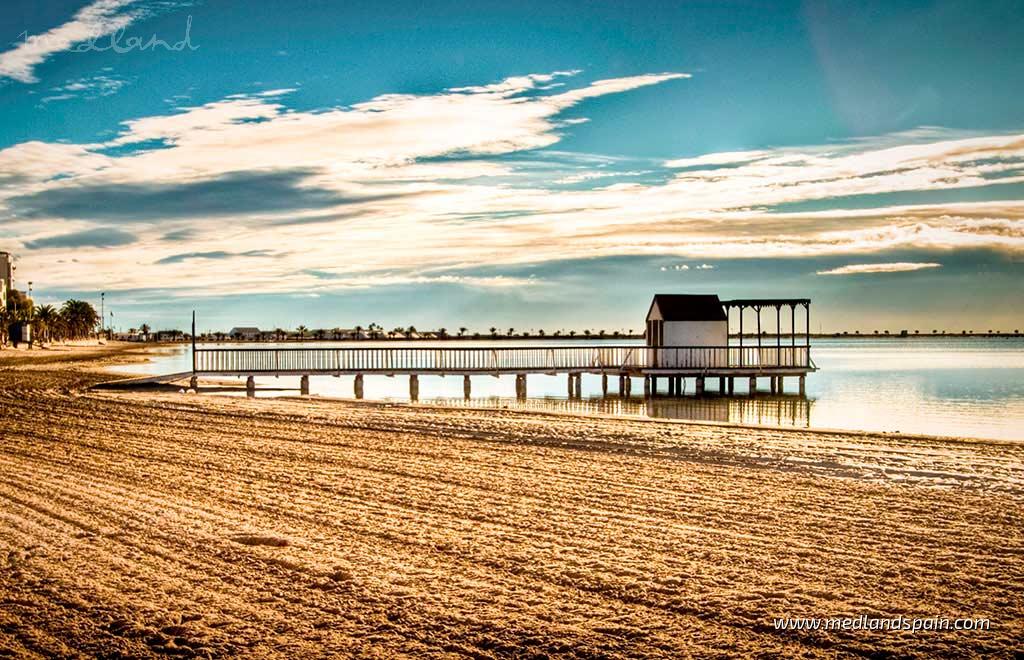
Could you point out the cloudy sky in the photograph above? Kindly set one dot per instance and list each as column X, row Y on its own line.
column 536, row 165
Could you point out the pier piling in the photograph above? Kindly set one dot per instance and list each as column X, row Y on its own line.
column 699, row 386
column 193, row 383
column 753, row 385
column 803, row 385
column 521, row 386
column 604, row 384
column 304, row 385
column 250, row 387
column 358, row 386
column 467, row 387
column 721, row 384
column 579, row 386
column 414, row 387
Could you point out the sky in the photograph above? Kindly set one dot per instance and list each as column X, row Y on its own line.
column 537, row 165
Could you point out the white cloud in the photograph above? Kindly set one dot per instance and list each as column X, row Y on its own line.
column 720, row 158
column 898, row 267
column 90, row 87
column 95, row 20
column 419, row 193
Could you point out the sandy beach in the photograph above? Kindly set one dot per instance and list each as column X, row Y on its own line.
column 155, row 523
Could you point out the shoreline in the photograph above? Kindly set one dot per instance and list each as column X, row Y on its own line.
column 230, row 386
column 607, row 338
column 117, row 353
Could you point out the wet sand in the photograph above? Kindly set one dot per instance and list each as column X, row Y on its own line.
column 155, row 523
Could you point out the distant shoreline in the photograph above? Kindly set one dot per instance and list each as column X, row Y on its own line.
column 786, row 338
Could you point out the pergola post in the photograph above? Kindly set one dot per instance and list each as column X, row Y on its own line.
column 792, row 324
column 778, row 335
column 741, row 335
column 807, row 341
column 758, row 310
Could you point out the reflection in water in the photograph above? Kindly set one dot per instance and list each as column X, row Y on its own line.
column 768, row 410
column 762, row 410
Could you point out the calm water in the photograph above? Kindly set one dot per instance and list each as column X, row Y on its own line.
column 969, row 387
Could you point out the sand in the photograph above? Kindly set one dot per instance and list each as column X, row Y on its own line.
column 137, row 524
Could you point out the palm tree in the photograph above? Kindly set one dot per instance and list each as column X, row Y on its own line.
column 494, row 332
column 541, row 333
column 586, row 333
column 144, row 329
column 319, row 334
column 45, row 319
column 410, row 331
column 442, row 333
column 462, row 332
column 302, row 330
column 511, row 332
column 572, row 333
column 80, row 318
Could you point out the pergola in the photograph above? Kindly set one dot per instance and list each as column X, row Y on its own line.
column 758, row 304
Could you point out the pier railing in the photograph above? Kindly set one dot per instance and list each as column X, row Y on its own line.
column 466, row 360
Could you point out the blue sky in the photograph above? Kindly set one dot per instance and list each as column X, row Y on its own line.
column 515, row 164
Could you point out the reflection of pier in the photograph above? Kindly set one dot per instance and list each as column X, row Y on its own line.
column 761, row 410
column 766, row 410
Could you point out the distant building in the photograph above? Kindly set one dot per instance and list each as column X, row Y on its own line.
column 246, row 333
column 6, row 277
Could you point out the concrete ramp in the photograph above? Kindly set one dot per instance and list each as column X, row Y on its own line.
column 142, row 381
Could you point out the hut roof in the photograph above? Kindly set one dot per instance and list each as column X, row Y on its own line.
column 687, row 307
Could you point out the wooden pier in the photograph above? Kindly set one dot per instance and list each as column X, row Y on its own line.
column 669, row 364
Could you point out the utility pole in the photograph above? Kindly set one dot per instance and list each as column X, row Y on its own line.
column 103, row 312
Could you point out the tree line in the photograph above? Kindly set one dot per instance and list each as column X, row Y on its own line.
column 75, row 319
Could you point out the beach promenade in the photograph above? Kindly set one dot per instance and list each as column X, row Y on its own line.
column 154, row 523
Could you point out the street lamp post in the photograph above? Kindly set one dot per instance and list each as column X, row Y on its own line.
column 103, row 312
column 31, row 315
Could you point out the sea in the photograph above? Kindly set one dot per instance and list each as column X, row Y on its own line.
column 946, row 386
